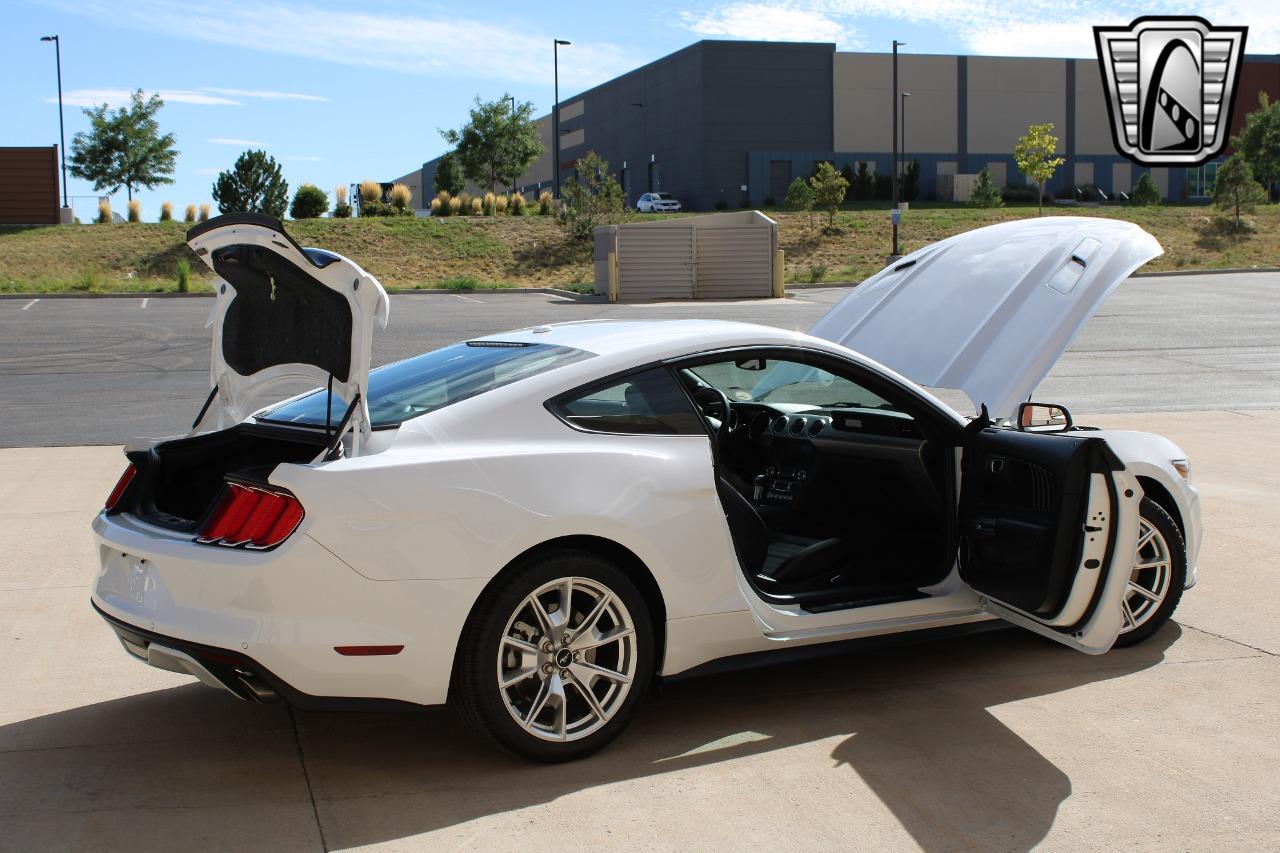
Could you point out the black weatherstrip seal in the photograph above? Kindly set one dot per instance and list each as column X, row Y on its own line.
column 230, row 220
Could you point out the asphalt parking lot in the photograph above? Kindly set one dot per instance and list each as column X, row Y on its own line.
column 997, row 741
column 100, row 371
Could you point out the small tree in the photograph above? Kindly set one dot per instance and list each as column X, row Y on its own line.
column 497, row 143
column 309, row 202
column 1145, row 192
column 864, row 182
column 985, row 193
column 1234, row 188
column 1259, row 141
column 124, row 148
column 449, row 178
column 252, row 185
column 590, row 199
column 909, row 181
column 829, row 188
column 1034, row 155
column 800, row 197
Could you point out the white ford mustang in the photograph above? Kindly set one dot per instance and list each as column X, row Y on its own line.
column 533, row 526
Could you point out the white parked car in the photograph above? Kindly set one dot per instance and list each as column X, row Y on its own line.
column 658, row 203
column 533, row 526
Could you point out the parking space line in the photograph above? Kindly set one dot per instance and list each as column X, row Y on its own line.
column 469, row 299
column 29, row 304
column 144, row 302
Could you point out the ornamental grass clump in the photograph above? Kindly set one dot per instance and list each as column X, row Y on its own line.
column 166, row 211
column 189, row 215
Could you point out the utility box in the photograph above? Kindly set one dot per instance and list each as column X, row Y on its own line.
column 29, row 186
column 717, row 256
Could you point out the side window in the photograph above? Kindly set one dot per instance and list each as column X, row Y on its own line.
column 646, row 403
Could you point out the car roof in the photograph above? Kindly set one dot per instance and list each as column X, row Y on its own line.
column 654, row 338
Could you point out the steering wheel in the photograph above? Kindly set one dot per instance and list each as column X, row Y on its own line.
column 715, row 397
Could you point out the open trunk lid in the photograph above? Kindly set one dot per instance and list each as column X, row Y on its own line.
column 990, row 311
column 283, row 314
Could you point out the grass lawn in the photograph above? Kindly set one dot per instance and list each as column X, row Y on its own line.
column 465, row 253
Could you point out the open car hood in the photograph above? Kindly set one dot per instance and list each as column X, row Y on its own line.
column 283, row 314
column 990, row 311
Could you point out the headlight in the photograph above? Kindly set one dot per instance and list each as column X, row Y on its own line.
column 1182, row 466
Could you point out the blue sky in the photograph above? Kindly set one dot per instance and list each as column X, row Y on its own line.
column 338, row 92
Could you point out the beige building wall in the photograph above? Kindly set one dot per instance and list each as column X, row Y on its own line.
column 1006, row 95
column 862, row 111
column 1093, row 125
column 540, row 170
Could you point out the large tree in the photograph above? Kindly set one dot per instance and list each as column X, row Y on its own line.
column 1034, row 155
column 124, row 148
column 1259, row 140
column 449, row 178
column 253, row 185
column 498, row 142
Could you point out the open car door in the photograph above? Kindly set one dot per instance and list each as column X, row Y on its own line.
column 1048, row 525
column 284, row 315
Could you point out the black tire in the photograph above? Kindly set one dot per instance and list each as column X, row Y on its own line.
column 1157, row 517
column 474, row 693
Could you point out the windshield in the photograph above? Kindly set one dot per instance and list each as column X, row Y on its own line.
column 664, row 196
column 415, row 386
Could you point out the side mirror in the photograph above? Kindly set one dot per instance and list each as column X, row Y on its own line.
column 1043, row 417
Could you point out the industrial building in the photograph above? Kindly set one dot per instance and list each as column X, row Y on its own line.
column 731, row 123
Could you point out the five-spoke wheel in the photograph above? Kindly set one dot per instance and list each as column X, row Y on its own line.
column 1157, row 577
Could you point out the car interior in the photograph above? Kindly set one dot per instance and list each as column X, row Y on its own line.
column 835, row 494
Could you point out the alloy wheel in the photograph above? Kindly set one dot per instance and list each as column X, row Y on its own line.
column 1149, row 579
column 567, row 659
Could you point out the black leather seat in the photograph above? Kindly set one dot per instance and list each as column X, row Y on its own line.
column 775, row 556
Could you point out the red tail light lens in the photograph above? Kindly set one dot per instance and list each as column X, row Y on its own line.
column 251, row 517
column 123, row 483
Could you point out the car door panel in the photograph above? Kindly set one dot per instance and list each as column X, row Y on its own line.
column 1041, row 518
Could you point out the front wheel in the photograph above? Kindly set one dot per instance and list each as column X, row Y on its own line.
column 553, row 664
column 1157, row 577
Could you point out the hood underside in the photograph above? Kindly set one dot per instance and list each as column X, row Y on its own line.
column 990, row 311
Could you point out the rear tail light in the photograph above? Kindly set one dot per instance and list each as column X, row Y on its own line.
column 123, row 483
column 251, row 517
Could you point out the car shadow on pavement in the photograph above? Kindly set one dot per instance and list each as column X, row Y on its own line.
column 913, row 724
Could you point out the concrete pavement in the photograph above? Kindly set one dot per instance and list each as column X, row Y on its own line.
column 999, row 741
column 100, row 371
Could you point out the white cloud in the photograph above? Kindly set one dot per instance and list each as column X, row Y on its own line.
column 396, row 41
column 264, row 94
column 242, row 143
column 118, row 97
column 994, row 27
column 771, row 22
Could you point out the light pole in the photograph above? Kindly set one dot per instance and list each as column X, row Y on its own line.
column 902, row 98
column 62, row 134
column 512, row 99
column 896, row 44
column 555, row 115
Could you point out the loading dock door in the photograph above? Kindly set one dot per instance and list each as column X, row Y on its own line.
column 779, row 179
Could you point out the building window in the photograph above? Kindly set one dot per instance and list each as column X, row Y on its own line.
column 1200, row 180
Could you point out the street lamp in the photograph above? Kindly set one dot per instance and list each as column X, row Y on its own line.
column 903, row 102
column 62, row 134
column 896, row 44
column 555, row 115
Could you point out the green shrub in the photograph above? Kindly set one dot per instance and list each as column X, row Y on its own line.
column 984, row 192
column 1023, row 193
column 817, row 272
column 1145, row 192
column 166, row 211
column 342, row 210
column 184, row 275
column 309, row 202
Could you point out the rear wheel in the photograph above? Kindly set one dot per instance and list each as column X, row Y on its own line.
column 1157, row 577
column 554, row 663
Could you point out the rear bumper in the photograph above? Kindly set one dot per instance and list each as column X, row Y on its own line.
column 279, row 615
